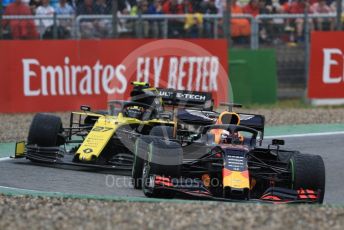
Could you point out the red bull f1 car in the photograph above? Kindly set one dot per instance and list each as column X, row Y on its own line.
column 219, row 156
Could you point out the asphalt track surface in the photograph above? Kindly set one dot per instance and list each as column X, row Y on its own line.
column 23, row 174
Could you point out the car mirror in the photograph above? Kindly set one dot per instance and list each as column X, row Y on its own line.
column 277, row 142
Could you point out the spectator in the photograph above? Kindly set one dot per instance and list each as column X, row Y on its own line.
column 45, row 10
column 19, row 29
column 102, row 7
column 321, row 7
column 103, row 26
column 74, row 4
column 187, row 6
column 54, row 3
column 65, row 25
column 87, row 26
column 34, row 4
column 123, row 26
column 209, row 7
column 241, row 29
column 272, row 30
column 219, row 4
column 63, row 8
column 146, row 25
column 176, row 27
column 193, row 25
column 5, row 3
column 252, row 8
column 172, row 7
column 155, row 7
column 86, row 8
column 298, row 7
column 333, row 6
column 196, row 5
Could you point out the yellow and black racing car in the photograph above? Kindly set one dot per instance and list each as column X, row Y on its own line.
column 106, row 139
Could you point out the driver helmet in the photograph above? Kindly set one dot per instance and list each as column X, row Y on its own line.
column 224, row 136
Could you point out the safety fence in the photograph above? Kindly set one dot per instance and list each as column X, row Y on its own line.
column 272, row 29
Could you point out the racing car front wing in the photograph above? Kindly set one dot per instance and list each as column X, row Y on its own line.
column 195, row 188
column 58, row 155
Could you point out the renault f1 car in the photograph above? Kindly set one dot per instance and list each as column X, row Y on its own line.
column 105, row 139
column 225, row 161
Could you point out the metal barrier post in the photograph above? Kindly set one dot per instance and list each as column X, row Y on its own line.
column 216, row 24
column 226, row 22
column 139, row 23
column 40, row 29
column 165, row 28
column 339, row 15
column 77, row 26
column 114, row 18
column 254, row 34
column 55, row 35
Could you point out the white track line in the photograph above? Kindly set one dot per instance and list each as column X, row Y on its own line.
column 5, row 158
column 306, row 135
column 20, row 189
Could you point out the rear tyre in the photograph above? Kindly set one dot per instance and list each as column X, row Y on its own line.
column 140, row 155
column 46, row 131
column 309, row 173
column 162, row 132
column 164, row 159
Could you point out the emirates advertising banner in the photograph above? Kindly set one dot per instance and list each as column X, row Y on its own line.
column 44, row 76
column 326, row 75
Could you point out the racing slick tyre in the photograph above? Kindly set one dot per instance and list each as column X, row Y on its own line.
column 309, row 173
column 162, row 131
column 165, row 159
column 45, row 131
column 140, row 155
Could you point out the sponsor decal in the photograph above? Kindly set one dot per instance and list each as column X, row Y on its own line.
column 38, row 76
column 189, row 96
column 88, row 150
column 101, row 129
column 326, row 75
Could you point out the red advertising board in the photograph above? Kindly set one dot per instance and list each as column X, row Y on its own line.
column 326, row 75
column 62, row 75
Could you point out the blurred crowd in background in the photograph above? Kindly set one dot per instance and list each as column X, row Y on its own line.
column 194, row 25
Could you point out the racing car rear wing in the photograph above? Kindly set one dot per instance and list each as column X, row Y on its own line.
column 184, row 98
column 254, row 121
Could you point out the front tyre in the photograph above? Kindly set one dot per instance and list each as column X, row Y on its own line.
column 46, row 131
column 308, row 172
column 164, row 159
column 140, row 155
